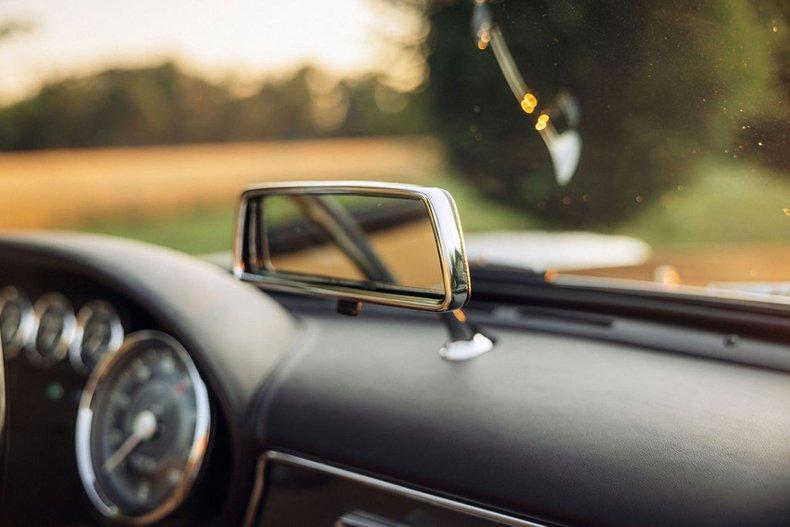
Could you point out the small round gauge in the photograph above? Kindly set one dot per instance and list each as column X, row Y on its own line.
column 99, row 332
column 16, row 321
column 55, row 331
column 142, row 429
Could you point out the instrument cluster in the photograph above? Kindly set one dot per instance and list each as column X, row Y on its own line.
column 50, row 329
column 133, row 425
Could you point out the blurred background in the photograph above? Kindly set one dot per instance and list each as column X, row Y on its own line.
column 145, row 119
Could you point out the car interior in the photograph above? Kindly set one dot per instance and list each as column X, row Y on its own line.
column 530, row 335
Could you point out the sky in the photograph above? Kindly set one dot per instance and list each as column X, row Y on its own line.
column 219, row 39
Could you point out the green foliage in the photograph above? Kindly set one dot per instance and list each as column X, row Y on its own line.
column 198, row 231
column 115, row 107
column 661, row 86
column 165, row 105
column 726, row 202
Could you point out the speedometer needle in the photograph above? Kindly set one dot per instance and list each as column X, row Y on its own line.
column 143, row 429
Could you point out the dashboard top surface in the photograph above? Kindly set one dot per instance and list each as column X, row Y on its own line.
column 549, row 427
column 558, row 429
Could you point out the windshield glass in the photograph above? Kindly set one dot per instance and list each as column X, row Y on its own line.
column 609, row 140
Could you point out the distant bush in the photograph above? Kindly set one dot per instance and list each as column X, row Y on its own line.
column 660, row 85
column 165, row 105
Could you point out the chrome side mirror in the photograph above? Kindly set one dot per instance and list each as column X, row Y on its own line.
column 393, row 244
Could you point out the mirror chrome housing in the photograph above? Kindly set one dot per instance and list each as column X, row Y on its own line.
column 253, row 262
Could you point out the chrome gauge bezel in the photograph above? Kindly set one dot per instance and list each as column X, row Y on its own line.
column 200, row 439
column 66, row 337
column 83, row 317
column 27, row 322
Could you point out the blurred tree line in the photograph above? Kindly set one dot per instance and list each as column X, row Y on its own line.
column 165, row 105
column 660, row 85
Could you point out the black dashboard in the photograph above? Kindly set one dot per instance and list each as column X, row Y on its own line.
column 321, row 419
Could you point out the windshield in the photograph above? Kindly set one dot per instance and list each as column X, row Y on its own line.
column 607, row 140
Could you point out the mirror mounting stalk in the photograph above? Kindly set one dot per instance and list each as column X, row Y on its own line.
column 467, row 341
column 349, row 308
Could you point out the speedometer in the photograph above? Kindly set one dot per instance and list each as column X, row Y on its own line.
column 142, row 429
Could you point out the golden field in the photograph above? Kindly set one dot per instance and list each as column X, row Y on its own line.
column 57, row 188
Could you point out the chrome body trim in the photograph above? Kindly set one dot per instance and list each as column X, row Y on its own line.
column 443, row 216
column 200, row 438
column 27, row 322
column 83, row 317
column 67, row 335
column 416, row 495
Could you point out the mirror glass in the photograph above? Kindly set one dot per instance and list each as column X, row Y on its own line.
column 375, row 241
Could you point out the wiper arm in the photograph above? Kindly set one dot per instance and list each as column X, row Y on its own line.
column 487, row 33
column 564, row 148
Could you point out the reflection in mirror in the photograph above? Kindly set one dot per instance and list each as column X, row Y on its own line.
column 373, row 240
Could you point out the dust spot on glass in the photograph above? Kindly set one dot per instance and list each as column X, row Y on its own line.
column 668, row 200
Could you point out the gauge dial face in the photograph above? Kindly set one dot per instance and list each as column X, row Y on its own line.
column 99, row 333
column 142, row 429
column 16, row 321
column 55, row 330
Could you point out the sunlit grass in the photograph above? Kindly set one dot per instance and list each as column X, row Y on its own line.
column 727, row 203
column 210, row 229
column 204, row 230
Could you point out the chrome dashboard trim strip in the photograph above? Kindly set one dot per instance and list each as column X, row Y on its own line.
column 424, row 497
